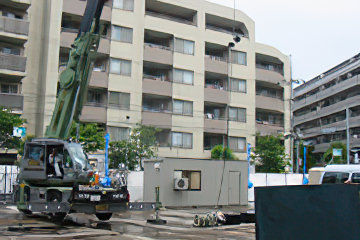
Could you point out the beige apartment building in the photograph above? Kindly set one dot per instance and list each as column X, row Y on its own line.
column 172, row 64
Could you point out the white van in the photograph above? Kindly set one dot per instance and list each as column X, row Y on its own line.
column 336, row 173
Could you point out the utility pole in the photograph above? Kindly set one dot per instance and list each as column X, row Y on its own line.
column 297, row 155
column 347, row 136
column 291, row 121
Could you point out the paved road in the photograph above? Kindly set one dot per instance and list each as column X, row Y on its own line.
column 129, row 225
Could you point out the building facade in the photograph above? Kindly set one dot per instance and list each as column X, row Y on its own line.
column 320, row 106
column 164, row 63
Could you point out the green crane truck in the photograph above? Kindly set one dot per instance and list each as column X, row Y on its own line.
column 55, row 173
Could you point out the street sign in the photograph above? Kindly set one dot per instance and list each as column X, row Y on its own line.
column 19, row 132
column 337, row 152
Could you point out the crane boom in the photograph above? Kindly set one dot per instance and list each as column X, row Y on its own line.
column 74, row 79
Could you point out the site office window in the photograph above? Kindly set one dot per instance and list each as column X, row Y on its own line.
column 194, row 177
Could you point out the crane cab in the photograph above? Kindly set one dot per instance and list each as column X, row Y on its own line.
column 53, row 162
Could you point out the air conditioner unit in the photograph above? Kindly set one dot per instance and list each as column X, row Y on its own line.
column 181, row 183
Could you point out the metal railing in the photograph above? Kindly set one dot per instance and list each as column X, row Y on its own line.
column 216, row 86
column 273, row 69
column 219, row 29
column 12, row 25
column 156, row 78
column 158, row 46
column 216, row 58
column 12, row 62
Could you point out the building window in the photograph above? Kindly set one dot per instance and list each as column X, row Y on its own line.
column 120, row 66
column 183, row 107
column 183, row 76
column 238, row 85
column 124, row 4
column 99, row 65
column 10, row 88
column 194, row 178
column 122, row 34
column 184, row 46
column 118, row 133
column 182, row 140
column 238, row 57
column 94, row 97
column 237, row 114
column 237, row 144
column 120, row 99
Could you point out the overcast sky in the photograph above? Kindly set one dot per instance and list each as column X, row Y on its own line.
column 319, row 34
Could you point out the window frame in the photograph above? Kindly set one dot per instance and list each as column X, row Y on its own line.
column 121, row 28
column 120, row 68
column 239, row 80
column 182, row 140
column 237, row 143
column 183, row 107
column 188, row 172
column 182, row 49
column 117, row 7
column 182, row 80
column 233, row 57
column 119, row 105
column 237, row 114
column 118, row 129
column 10, row 84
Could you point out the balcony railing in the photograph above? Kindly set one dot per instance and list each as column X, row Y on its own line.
column 216, row 58
column 169, row 17
column 156, row 78
column 12, row 62
column 274, row 123
column 152, row 45
column 12, row 25
column 215, row 86
column 212, row 116
column 274, row 69
column 156, row 110
column 269, row 95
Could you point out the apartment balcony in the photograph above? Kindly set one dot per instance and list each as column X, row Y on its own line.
column 11, row 100
column 68, row 36
column 347, row 84
column 211, row 140
column 154, row 85
column 158, row 54
column 216, row 64
column 266, row 129
column 14, row 26
column 158, row 119
column 99, row 79
column 325, row 111
column 269, row 103
column 77, row 7
column 268, row 76
column 215, row 126
column 216, row 95
column 94, row 113
column 13, row 63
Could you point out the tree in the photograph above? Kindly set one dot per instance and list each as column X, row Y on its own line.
column 269, row 154
column 220, row 152
column 7, row 122
column 328, row 155
column 141, row 144
column 91, row 136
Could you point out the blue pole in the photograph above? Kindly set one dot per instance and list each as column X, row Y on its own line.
column 305, row 180
column 250, row 184
column 107, row 139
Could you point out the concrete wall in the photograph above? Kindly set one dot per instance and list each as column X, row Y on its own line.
column 211, row 176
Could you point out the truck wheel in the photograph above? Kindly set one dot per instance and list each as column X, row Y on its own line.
column 103, row 216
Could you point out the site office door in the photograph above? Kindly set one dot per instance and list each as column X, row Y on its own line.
column 234, row 188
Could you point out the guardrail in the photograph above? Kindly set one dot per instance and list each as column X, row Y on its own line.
column 12, row 25
column 12, row 62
